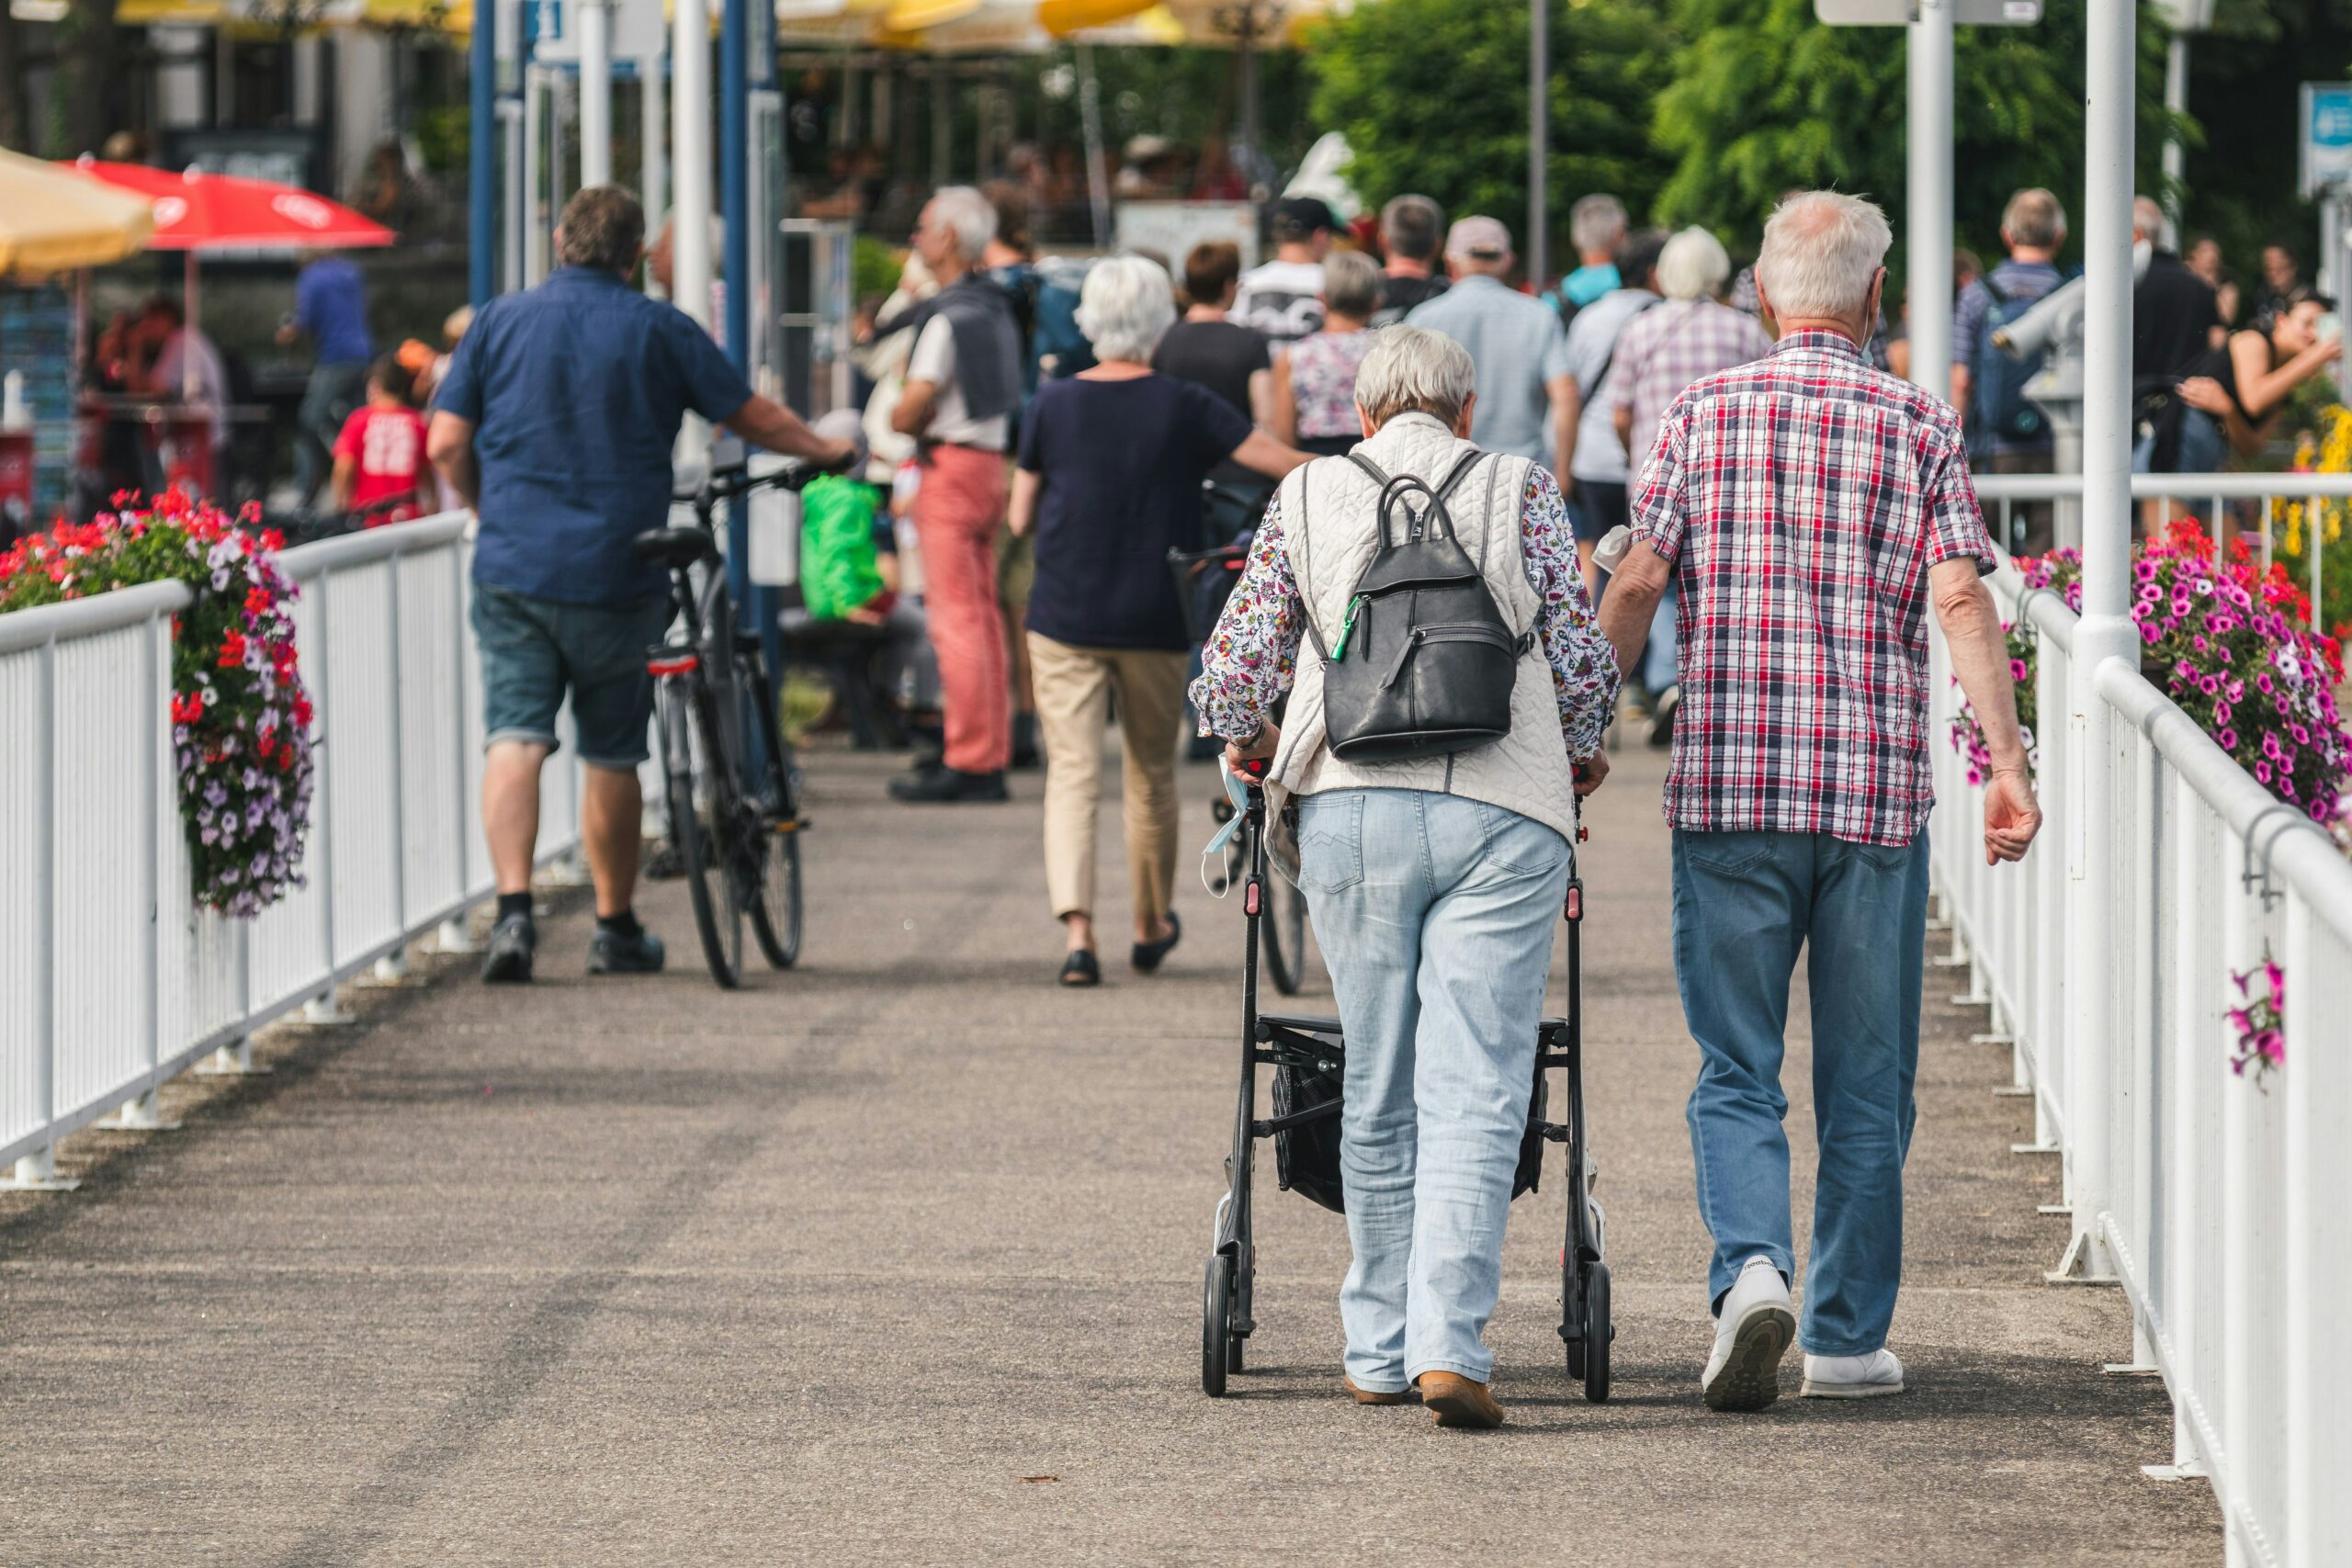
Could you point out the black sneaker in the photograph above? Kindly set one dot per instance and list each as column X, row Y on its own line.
column 1025, row 755
column 665, row 864
column 512, row 941
column 1662, row 716
column 611, row 953
column 949, row 786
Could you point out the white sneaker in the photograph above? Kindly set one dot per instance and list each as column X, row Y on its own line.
column 1852, row 1377
column 1753, row 1333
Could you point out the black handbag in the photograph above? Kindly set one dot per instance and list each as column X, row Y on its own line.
column 1424, row 661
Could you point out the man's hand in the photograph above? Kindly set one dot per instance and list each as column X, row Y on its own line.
column 2012, row 817
column 1260, row 745
column 1590, row 773
column 842, row 458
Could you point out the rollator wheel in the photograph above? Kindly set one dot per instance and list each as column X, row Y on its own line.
column 1217, row 1318
column 1571, row 1313
column 1597, row 1331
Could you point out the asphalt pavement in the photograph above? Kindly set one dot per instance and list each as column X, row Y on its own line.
column 897, row 1259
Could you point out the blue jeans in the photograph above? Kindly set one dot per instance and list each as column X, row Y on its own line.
column 1435, row 914
column 1744, row 905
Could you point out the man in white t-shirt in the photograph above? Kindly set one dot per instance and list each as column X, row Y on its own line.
column 1282, row 298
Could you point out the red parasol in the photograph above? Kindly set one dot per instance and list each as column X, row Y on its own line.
column 196, row 212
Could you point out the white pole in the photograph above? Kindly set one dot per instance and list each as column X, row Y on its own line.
column 2106, row 631
column 656, row 137
column 690, row 100
column 595, row 93
column 1929, row 243
column 537, row 229
column 2175, row 105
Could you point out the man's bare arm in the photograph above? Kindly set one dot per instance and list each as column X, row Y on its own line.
column 763, row 422
column 1635, row 591
column 1565, row 406
column 1979, row 658
column 449, row 443
column 912, row 415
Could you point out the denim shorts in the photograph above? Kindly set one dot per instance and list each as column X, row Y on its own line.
column 533, row 650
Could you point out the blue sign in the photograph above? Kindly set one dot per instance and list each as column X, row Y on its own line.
column 2328, row 135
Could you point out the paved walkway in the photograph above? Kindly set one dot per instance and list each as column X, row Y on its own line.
column 897, row 1259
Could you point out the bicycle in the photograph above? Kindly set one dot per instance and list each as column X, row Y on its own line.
column 737, row 830
column 1205, row 580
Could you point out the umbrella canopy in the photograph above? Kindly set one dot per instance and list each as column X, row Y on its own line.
column 196, row 212
column 51, row 222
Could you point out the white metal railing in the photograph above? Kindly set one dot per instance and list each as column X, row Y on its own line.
column 111, row 982
column 2221, row 1204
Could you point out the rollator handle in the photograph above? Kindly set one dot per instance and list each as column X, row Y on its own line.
column 1574, row 911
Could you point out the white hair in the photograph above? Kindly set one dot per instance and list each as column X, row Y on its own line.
column 2149, row 223
column 966, row 214
column 1410, row 369
column 1125, row 305
column 1597, row 222
column 1821, row 251
column 1694, row 266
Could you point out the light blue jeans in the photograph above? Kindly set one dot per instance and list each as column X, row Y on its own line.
column 1744, row 905
column 1435, row 915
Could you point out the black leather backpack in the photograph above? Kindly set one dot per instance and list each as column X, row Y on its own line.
column 1424, row 661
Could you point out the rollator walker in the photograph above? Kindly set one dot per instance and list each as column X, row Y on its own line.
column 1307, row 1055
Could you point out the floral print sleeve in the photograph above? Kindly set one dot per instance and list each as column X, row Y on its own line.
column 1584, row 667
column 1247, row 664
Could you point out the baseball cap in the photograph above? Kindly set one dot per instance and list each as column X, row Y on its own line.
column 1485, row 238
column 1304, row 214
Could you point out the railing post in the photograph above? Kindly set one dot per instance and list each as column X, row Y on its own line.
column 454, row 936
column 394, row 964
column 142, row 1113
column 37, row 1171
column 323, row 1008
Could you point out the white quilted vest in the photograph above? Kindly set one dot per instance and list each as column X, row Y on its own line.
column 1331, row 527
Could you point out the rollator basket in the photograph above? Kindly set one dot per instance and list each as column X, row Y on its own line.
column 1307, row 1155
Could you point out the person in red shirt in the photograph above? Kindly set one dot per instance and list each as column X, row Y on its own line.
column 380, row 455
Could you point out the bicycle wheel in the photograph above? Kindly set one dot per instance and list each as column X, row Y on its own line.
column 702, row 810
column 1284, row 928
column 775, row 899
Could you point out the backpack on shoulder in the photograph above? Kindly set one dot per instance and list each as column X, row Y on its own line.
column 1424, row 661
column 2002, row 411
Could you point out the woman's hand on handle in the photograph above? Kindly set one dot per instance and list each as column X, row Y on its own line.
column 1590, row 773
column 1258, row 747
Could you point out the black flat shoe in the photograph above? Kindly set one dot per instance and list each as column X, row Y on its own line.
column 1146, row 955
column 1080, row 969
column 944, row 787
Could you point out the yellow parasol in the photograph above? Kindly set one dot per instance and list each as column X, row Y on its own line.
column 54, row 221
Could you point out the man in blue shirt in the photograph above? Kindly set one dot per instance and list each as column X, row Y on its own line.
column 330, row 309
column 555, row 423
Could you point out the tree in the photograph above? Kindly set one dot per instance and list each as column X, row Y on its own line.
column 15, row 129
column 1765, row 99
column 93, row 86
column 1433, row 97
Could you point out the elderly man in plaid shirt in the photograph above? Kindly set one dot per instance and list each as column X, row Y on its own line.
column 1810, row 509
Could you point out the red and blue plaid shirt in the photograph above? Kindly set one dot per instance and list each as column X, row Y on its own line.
column 1802, row 500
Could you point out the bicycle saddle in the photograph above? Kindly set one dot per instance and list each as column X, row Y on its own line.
column 673, row 547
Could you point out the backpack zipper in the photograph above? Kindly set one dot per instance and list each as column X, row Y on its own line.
column 1452, row 631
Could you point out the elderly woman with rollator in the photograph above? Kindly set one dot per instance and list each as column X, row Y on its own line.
column 1810, row 511
column 1434, row 880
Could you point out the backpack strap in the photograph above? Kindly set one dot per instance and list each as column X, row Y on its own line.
column 1298, row 531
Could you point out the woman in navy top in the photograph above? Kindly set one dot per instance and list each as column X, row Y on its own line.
column 1112, row 464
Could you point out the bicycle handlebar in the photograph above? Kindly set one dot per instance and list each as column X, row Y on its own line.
column 734, row 480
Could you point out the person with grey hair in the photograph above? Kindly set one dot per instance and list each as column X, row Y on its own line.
column 1314, row 383
column 963, row 385
column 1411, row 227
column 1111, row 462
column 1433, row 883
column 1659, row 352
column 1597, row 226
column 1812, row 509
column 2007, row 433
column 1517, row 342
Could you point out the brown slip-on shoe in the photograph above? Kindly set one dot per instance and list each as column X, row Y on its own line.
column 1373, row 1396
column 1454, row 1401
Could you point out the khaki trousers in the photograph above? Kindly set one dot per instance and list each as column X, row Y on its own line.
column 1074, row 686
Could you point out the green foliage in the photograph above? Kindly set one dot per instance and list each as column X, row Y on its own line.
column 1432, row 97
column 1765, row 99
